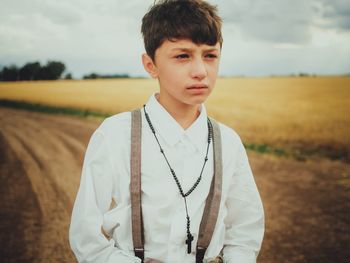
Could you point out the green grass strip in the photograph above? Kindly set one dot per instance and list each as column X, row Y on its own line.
column 37, row 107
column 264, row 148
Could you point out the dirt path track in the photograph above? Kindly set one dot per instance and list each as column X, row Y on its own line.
column 306, row 203
column 41, row 156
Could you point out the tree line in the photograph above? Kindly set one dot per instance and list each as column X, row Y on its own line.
column 99, row 76
column 52, row 70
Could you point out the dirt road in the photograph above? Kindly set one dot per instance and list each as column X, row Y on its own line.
column 307, row 204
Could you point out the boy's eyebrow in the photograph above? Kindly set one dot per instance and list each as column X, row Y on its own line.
column 190, row 49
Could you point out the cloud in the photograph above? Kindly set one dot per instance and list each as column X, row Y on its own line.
column 73, row 31
column 59, row 12
column 276, row 21
column 335, row 14
column 284, row 21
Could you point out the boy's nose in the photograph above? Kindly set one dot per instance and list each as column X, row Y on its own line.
column 198, row 69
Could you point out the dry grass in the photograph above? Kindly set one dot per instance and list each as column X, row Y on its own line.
column 309, row 114
column 104, row 95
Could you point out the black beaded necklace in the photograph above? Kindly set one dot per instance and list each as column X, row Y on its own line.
column 182, row 193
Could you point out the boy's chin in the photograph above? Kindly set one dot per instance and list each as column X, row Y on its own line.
column 197, row 100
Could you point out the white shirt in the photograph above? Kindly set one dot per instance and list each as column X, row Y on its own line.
column 106, row 175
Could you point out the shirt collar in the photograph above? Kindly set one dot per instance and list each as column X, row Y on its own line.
column 171, row 131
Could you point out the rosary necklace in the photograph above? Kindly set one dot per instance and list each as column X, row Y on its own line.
column 182, row 193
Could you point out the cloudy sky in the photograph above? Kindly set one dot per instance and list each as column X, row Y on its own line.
column 261, row 37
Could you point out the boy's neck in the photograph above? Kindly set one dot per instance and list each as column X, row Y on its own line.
column 184, row 114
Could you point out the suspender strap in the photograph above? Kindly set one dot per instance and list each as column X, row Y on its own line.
column 212, row 204
column 135, row 183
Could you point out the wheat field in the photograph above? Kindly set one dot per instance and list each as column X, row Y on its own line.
column 308, row 112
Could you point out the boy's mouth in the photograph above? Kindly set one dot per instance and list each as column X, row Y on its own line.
column 197, row 87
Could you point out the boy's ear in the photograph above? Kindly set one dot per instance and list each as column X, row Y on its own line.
column 149, row 65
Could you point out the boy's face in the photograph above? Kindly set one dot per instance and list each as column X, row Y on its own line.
column 186, row 72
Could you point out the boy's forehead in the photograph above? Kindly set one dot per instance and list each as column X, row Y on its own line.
column 187, row 44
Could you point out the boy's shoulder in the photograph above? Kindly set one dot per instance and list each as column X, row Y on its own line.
column 228, row 134
column 231, row 141
column 233, row 149
column 116, row 125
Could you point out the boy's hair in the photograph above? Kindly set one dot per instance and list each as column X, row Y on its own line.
column 180, row 19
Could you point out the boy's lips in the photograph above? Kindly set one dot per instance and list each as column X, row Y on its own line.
column 197, row 87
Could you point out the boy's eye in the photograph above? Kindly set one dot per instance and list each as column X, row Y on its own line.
column 182, row 56
column 211, row 56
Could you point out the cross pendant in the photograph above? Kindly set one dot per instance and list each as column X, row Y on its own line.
column 189, row 243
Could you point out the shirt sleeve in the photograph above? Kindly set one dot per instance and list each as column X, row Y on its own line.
column 93, row 200
column 245, row 215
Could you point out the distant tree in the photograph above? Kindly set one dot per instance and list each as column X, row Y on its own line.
column 51, row 71
column 29, row 71
column 10, row 73
column 42, row 74
column 34, row 71
column 55, row 69
column 91, row 76
column 68, row 76
column 112, row 76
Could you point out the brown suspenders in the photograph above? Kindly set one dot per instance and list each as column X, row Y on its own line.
column 135, row 183
column 212, row 204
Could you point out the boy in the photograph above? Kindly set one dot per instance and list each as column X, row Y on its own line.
column 183, row 47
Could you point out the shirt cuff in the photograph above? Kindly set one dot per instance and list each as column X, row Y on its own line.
column 122, row 256
column 241, row 255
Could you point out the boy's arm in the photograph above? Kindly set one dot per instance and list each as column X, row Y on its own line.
column 93, row 199
column 245, row 217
